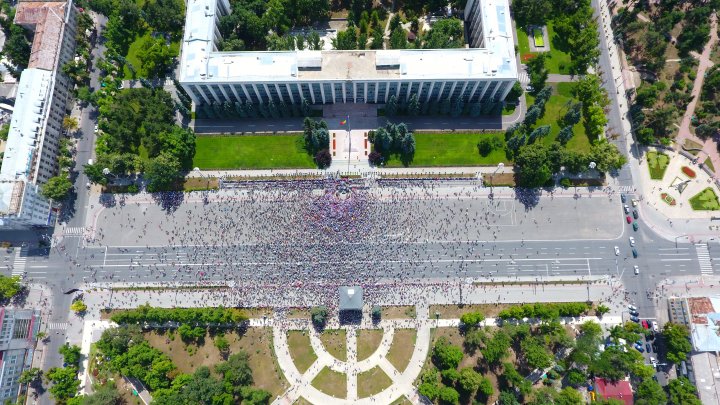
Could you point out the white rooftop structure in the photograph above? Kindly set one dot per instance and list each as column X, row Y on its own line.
column 19, row 196
column 489, row 57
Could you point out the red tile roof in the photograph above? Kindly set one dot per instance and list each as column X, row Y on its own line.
column 620, row 390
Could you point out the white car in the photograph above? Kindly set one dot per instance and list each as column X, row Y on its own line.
column 632, row 241
column 626, row 208
column 96, row 128
column 655, row 327
column 617, row 251
column 632, row 307
column 653, row 362
column 637, row 270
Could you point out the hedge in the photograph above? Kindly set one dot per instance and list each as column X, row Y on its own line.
column 545, row 311
column 196, row 316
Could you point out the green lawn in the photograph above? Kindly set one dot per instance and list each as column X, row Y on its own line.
column 555, row 108
column 452, row 149
column 372, row 382
column 705, row 200
column 331, row 382
column 559, row 60
column 251, row 152
column 301, row 350
column 657, row 163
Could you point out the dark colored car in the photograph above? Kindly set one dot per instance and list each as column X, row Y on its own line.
column 635, row 253
column 648, row 348
column 635, row 226
column 635, row 319
column 635, row 214
column 622, row 197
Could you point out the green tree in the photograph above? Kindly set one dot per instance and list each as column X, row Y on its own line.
column 377, row 39
column 163, row 172
column 532, row 165
column 236, row 370
column 319, row 316
column 507, row 398
column 398, row 39
column 391, row 106
column 445, row 33
column 448, row 395
column 71, row 354
column 165, row 15
column 606, row 156
column 470, row 380
column 65, row 382
column 472, row 319
column 677, row 339
column 413, row 105
column 57, row 188
column 649, row 392
column 346, row 40
column 496, row 349
column 115, row 341
column 30, row 376
column 446, row 355
column 538, row 72
column 429, row 390
column 222, row 344
column 78, row 307
column 530, row 12
column 9, row 286
column 682, row 392
column 17, row 49
column 535, row 353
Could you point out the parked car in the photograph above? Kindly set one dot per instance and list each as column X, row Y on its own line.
column 645, row 324
column 635, row 214
column 653, row 361
column 637, row 270
column 632, row 241
column 635, row 319
column 635, row 226
column 634, row 313
column 634, row 202
column 639, row 348
column 628, row 219
column 648, row 348
column 655, row 327
column 622, row 198
column 635, row 253
column 626, row 208
column 632, row 307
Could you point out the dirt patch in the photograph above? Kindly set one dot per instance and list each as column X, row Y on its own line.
column 256, row 342
column 401, row 348
column 399, row 312
column 335, row 342
column 368, row 341
column 298, row 313
column 300, row 350
column 499, row 179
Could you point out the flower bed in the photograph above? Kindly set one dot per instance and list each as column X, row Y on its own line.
column 669, row 200
column 688, row 172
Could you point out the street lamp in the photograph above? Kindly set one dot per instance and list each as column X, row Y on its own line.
column 492, row 178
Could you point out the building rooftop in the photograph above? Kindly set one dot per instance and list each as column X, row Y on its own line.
column 47, row 19
column 351, row 298
column 200, row 61
column 620, row 390
column 705, row 326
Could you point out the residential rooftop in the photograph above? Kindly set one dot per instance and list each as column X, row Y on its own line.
column 46, row 19
column 201, row 62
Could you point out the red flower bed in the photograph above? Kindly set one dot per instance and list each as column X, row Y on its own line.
column 528, row 56
column 668, row 199
column 688, row 172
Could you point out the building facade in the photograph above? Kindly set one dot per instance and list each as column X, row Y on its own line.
column 36, row 125
column 485, row 71
column 18, row 333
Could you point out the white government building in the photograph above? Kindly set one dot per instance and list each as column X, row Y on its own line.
column 484, row 71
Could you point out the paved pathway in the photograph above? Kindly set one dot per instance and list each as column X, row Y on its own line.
column 709, row 146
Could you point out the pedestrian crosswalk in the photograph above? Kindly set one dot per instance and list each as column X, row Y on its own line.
column 524, row 78
column 74, row 231
column 58, row 325
column 19, row 262
column 701, row 249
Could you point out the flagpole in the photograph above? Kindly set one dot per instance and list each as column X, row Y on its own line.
column 347, row 119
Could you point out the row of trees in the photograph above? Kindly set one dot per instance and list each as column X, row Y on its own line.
column 545, row 311
column 317, row 141
column 65, row 382
column 17, row 43
column 193, row 316
column 392, row 139
column 249, row 109
column 452, row 106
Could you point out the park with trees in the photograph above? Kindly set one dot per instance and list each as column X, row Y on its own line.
column 538, row 361
column 665, row 92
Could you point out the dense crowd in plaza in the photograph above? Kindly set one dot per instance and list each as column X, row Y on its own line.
column 263, row 237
